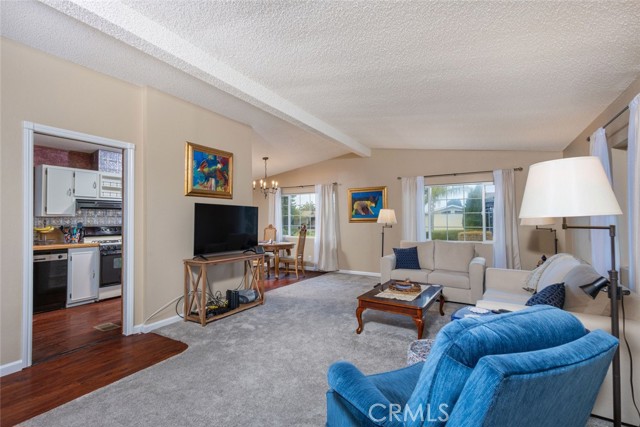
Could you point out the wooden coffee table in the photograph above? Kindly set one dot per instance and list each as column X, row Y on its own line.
column 415, row 309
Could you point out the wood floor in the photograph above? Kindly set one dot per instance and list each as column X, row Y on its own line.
column 75, row 359
column 284, row 280
column 61, row 331
column 42, row 387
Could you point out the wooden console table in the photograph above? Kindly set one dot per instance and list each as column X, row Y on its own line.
column 195, row 284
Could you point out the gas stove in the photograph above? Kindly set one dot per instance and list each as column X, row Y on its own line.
column 110, row 240
column 115, row 241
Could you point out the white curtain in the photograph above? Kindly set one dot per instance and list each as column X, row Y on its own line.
column 600, row 240
column 506, row 247
column 633, row 196
column 277, row 214
column 413, row 227
column 326, row 239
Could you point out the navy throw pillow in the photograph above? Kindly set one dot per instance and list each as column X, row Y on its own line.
column 551, row 295
column 407, row 258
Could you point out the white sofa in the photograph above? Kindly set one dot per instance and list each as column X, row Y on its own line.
column 458, row 266
column 504, row 290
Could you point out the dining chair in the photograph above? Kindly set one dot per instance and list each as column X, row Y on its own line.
column 269, row 235
column 298, row 259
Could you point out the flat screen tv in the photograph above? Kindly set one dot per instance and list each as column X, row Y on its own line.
column 224, row 228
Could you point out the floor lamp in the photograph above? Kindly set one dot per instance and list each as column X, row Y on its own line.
column 388, row 218
column 578, row 187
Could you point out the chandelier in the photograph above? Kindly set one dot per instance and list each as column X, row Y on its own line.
column 263, row 182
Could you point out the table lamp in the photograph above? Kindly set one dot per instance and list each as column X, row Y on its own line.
column 575, row 187
column 388, row 218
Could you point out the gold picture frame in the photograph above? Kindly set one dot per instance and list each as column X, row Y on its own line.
column 365, row 203
column 208, row 172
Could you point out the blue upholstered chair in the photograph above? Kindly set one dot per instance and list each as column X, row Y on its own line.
column 534, row 367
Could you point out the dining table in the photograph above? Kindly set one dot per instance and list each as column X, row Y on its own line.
column 276, row 247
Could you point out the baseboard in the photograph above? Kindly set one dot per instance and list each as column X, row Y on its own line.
column 10, row 368
column 143, row 329
column 359, row 273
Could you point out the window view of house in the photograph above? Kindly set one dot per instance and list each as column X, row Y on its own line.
column 459, row 212
column 298, row 209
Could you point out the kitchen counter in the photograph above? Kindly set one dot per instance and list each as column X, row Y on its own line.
column 54, row 246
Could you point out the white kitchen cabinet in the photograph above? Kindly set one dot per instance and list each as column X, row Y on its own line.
column 86, row 183
column 83, row 275
column 110, row 186
column 54, row 191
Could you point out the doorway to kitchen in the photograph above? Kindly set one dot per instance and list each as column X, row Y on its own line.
column 98, row 230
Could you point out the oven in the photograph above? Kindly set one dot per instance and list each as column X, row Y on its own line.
column 110, row 240
column 110, row 264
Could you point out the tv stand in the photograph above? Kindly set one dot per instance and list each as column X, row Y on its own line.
column 195, row 284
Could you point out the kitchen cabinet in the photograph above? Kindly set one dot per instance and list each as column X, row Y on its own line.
column 54, row 191
column 85, row 183
column 83, row 275
column 110, row 186
column 57, row 188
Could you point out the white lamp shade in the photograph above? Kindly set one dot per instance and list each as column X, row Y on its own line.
column 537, row 221
column 575, row 186
column 387, row 216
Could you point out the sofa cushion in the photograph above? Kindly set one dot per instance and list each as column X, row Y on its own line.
column 552, row 295
column 506, row 296
column 452, row 279
column 575, row 298
column 499, row 305
column 407, row 258
column 461, row 344
column 453, row 256
column 425, row 255
column 413, row 275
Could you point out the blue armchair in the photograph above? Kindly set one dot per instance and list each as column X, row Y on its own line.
column 500, row 371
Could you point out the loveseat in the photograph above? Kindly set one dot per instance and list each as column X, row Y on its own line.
column 504, row 290
column 458, row 266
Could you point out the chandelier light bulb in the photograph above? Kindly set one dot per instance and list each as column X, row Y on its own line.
column 263, row 182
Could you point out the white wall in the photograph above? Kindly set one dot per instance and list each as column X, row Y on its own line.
column 359, row 248
column 40, row 88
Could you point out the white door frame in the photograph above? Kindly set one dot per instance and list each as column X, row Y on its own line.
column 29, row 129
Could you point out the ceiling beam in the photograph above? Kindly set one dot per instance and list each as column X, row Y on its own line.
column 129, row 26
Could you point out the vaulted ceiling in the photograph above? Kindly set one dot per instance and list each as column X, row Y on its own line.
column 319, row 79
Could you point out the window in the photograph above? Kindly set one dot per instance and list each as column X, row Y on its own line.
column 459, row 212
column 298, row 209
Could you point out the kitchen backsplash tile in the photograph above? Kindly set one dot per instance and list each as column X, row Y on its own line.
column 88, row 217
column 108, row 161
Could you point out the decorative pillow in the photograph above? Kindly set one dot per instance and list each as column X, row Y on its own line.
column 551, row 271
column 551, row 295
column 407, row 258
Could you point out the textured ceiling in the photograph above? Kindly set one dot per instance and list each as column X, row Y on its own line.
column 318, row 79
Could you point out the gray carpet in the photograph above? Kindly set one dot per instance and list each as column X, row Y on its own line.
column 263, row 367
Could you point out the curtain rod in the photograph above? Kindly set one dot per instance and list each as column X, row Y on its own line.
column 612, row 120
column 305, row 185
column 518, row 169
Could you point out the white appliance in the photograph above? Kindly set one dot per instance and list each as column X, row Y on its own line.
column 110, row 240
